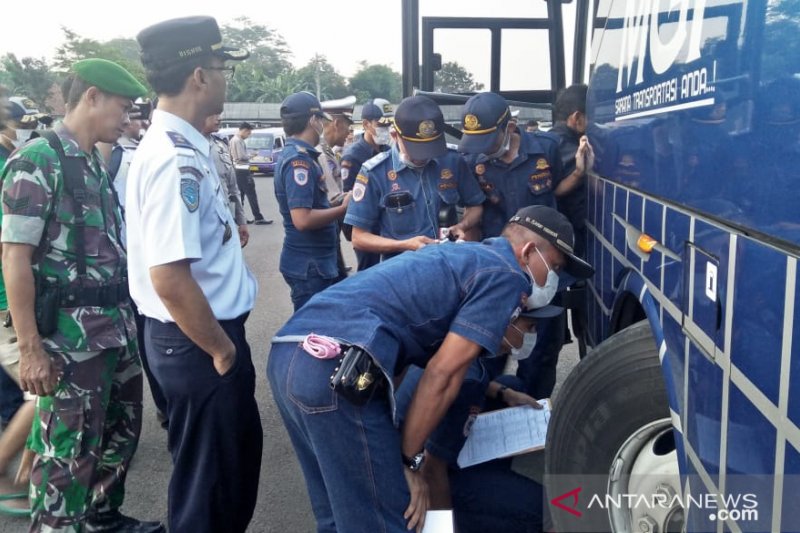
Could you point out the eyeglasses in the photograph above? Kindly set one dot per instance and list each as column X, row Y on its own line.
column 227, row 71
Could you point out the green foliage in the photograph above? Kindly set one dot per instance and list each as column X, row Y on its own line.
column 125, row 52
column 376, row 81
column 331, row 83
column 269, row 52
column 28, row 77
column 453, row 78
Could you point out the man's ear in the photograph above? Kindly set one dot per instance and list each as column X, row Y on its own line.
column 199, row 77
column 92, row 96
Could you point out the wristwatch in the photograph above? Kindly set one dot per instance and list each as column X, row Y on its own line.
column 414, row 463
column 500, row 393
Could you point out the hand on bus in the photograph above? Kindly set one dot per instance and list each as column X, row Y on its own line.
column 584, row 157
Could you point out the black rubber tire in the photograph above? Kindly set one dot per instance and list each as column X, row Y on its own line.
column 617, row 389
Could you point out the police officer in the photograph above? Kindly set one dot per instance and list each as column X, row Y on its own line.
column 428, row 309
column 189, row 279
column 309, row 256
column 412, row 191
column 75, row 327
column 376, row 119
column 334, row 136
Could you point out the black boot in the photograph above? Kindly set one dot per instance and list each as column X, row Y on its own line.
column 116, row 522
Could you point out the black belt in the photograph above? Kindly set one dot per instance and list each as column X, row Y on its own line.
column 105, row 296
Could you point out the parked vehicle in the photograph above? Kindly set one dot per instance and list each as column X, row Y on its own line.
column 264, row 145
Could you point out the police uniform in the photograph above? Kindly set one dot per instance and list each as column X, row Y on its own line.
column 222, row 161
column 328, row 160
column 178, row 212
column 95, row 410
column 445, row 288
column 405, row 202
column 309, row 258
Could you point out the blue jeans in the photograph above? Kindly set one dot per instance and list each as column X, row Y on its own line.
column 10, row 397
column 350, row 455
column 303, row 289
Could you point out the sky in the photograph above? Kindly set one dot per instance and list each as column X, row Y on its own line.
column 346, row 32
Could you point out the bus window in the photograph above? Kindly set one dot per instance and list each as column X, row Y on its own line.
column 533, row 72
column 465, row 48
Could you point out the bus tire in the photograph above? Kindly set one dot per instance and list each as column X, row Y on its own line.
column 617, row 389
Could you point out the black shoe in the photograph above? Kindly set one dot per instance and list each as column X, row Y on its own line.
column 114, row 521
column 263, row 222
column 249, row 221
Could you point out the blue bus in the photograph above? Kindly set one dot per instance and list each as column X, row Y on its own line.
column 685, row 413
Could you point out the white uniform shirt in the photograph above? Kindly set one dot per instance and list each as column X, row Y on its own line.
column 176, row 210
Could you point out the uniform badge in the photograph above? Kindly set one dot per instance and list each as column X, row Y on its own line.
column 359, row 189
column 395, row 187
column 427, row 129
column 361, row 178
column 542, row 164
column 471, row 123
column 480, row 170
column 392, row 175
column 447, row 174
column 190, row 193
column 300, row 176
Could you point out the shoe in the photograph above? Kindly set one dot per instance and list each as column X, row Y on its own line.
column 249, row 221
column 263, row 222
column 114, row 521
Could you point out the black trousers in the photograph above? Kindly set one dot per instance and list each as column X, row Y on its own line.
column 247, row 188
column 215, row 435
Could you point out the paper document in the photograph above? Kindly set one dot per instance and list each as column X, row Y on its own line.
column 438, row 522
column 504, row 433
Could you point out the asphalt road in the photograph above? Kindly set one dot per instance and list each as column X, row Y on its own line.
column 283, row 504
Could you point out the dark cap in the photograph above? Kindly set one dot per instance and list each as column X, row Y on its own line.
column 556, row 229
column 302, row 104
column 177, row 40
column 378, row 109
column 482, row 122
column 419, row 122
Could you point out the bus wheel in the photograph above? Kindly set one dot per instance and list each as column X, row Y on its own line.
column 610, row 441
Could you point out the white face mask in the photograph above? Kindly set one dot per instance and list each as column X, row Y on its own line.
column 504, row 147
column 382, row 136
column 407, row 162
column 541, row 296
column 528, row 342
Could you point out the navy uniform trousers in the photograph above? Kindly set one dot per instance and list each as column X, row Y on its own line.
column 215, row 435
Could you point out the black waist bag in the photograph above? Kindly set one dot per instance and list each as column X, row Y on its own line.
column 357, row 378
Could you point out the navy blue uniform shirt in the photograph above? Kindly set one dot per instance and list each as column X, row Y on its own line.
column 401, row 310
column 528, row 180
column 300, row 183
column 354, row 156
column 385, row 179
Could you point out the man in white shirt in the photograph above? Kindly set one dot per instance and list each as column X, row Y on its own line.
column 244, row 178
column 189, row 279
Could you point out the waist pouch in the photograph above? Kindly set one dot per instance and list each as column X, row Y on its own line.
column 357, row 377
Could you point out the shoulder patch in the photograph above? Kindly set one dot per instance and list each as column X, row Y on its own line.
column 371, row 163
column 190, row 193
column 300, row 163
column 179, row 140
column 191, row 171
column 359, row 189
column 300, row 175
column 22, row 165
column 16, row 205
column 362, row 178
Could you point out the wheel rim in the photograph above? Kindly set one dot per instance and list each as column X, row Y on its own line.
column 646, row 469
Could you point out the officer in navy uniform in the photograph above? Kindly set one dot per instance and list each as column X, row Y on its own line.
column 189, row 279
column 515, row 169
column 376, row 119
column 411, row 192
column 309, row 256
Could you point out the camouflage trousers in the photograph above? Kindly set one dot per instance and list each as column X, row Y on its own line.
column 84, row 437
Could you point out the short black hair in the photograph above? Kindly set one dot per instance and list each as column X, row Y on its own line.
column 171, row 79
column 532, row 122
column 569, row 100
column 72, row 89
column 245, row 126
column 295, row 125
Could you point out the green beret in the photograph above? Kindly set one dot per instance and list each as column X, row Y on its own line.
column 109, row 77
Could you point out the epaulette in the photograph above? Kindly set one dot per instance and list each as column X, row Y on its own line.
column 373, row 162
column 179, row 141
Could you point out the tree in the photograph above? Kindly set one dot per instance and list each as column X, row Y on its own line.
column 268, row 50
column 453, row 78
column 28, row 77
column 124, row 52
column 376, row 81
column 321, row 78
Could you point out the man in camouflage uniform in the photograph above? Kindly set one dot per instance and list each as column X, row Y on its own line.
column 82, row 361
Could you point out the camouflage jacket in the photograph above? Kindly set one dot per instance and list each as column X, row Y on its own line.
column 38, row 211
